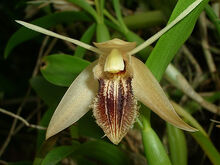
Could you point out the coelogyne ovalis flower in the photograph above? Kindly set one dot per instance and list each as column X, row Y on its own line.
column 111, row 86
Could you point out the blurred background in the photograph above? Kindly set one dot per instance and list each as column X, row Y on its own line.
column 29, row 92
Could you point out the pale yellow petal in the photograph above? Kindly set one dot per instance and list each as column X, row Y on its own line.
column 148, row 91
column 75, row 103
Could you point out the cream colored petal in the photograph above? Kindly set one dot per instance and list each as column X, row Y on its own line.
column 50, row 33
column 148, row 91
column 75, row 103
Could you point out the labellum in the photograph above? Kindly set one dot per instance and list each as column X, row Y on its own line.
column 112, row 85
column 115, row 107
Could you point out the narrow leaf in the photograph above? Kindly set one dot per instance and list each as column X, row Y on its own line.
column 170, row 42
column 153, row 147
column 177, row 145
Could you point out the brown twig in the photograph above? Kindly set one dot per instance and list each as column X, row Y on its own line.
column 46, row 52
column 206, row 49
column 50, row 47
column 19, row 127
column 215, row 121
column 10, row 134
column 61, row 31
column 35, row 71
column 191, row 58
column 21, row 119
column 40, row 55
column 198, row 69
column 17, row 101
column 214, row 50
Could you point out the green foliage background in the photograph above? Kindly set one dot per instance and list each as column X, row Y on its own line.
column 36, row 77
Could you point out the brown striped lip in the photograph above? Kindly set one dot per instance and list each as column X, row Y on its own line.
column 115, row 108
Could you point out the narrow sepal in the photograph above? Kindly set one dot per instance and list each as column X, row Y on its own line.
column 75, row 103
column 148, row 91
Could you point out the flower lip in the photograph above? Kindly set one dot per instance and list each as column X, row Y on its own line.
column 122, row 46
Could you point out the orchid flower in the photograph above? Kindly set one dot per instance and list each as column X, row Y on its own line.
column 112, row 85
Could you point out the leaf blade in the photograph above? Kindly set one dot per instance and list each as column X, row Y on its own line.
column 62, row 69
column 170, row 42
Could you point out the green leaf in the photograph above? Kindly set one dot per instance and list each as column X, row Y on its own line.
column 170, row 42
column 41, row 134
column 207, row 147
column 102, row 33
column 24, row 34
column 153, row 147
column 154, row 150
column 177, row 145
column 48, row 92
column 61, row 69
column 86, row 38
column 57, row 154
column 103, row 152
column 117, row 8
